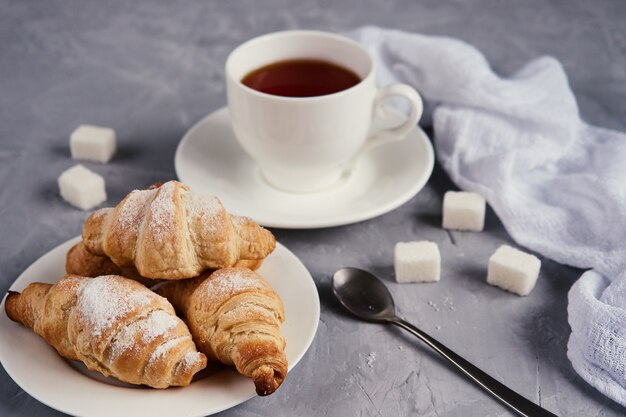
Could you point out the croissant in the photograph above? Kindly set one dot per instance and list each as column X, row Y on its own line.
column 171, row 233
column 79, row 261
column 114, row 325
column 234, row 316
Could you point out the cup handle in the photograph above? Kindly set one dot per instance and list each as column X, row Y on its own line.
column 395, row 133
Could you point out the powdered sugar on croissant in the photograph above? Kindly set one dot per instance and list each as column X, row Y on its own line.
column 114, row 325
column 171, row 233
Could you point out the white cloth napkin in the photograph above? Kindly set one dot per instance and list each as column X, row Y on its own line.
column 557, row 184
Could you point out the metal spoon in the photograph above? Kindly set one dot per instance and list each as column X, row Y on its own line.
column 368, row 298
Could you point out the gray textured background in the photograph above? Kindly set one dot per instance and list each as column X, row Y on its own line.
column 150, row 70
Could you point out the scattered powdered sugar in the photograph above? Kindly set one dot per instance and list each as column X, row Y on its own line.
column 231, row 281
column 449, row 302
column 144, row 331
column 163, row 211
column 433, row 305
column 130, row 213
column 207, row 209
column 163, row 348
column 371, row 358
column 239, row 221
column 199, row 205
column 103, row 300
column 190, row 361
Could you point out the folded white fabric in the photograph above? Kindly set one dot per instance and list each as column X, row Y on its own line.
column 557, row 184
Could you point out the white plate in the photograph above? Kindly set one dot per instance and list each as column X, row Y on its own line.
column 211, row 161
column 41, row 372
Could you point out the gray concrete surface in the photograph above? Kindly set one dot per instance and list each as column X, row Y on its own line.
column 151, row 69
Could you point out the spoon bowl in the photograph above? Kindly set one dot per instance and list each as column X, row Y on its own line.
column 364, row 295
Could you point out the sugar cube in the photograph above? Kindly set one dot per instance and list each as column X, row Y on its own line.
column 417, row 261
column 92, row 143
column 513, row 270
column 463, row 211
column 81, row 187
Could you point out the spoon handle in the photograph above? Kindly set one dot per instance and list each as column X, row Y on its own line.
column 519, row 404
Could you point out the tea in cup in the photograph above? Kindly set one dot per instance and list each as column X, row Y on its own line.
column 301, row 104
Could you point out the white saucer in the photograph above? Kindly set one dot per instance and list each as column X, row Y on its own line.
column 210, row 160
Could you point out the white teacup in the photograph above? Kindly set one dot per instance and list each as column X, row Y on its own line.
column 305, row 144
